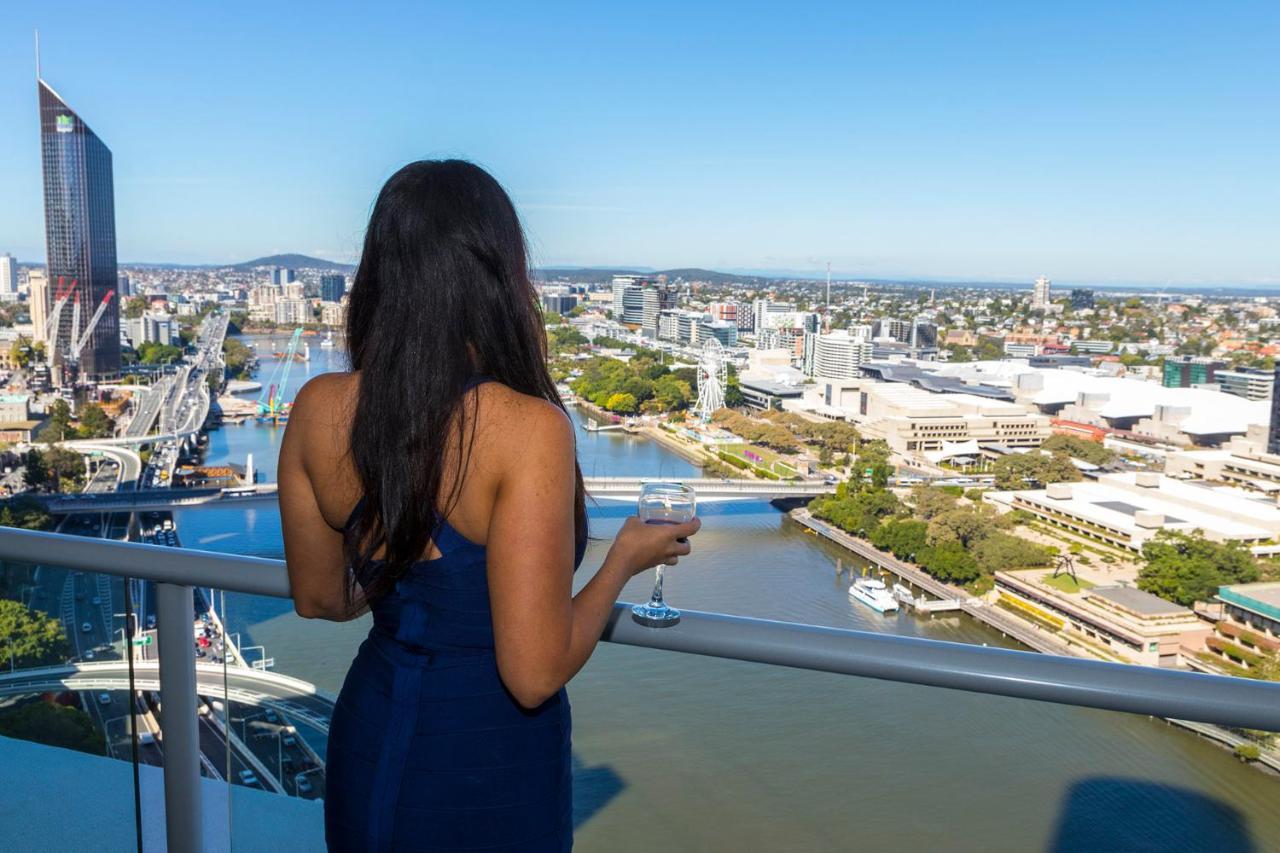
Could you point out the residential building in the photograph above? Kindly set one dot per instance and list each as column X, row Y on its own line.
column 898, row 330
column 80, row 228
column 724, row 311
column 837, row 355
column 8, row 277
column 334, row 313
column 38, row 303
column 1040, row 294
column 293, row 312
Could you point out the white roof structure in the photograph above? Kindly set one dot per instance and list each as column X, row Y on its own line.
column 1111, row 397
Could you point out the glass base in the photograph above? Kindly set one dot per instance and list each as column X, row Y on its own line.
column 655, row 615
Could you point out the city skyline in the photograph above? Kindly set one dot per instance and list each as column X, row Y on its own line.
column 1116, row 150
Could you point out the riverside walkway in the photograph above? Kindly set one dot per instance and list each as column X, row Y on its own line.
column 1010, row 626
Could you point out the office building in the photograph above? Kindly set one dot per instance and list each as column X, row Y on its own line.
column 1093, row 346
column 556, row 300
column 38, row 303
column 1249, row 632
column 1273, row 424
column 628, row 299
column 1081, row 299
column 80, row 229
column 1187, row 371
column 280, row 276
column 764, row 313
column 8, row 277
column 151, row 328
column 655, row 298
column 1247, row 382
column 722, row 330
column 724, row 311
column 124, row 287
column 1040, row 294
column 332, row 286
column 924, row 335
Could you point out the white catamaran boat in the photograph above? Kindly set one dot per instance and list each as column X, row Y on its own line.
column 872, row 592
column 327, row 343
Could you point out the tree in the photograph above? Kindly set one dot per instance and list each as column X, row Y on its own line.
column 950, row 562
column 94, row 422
column 135, row 307
column 904, row 538
column 53, row 725
column 58, row 421
column 930, row 501
column 1000, row 552
column 964, row 525
column 1031, row 470
column 621, row 403
column 1079, row 448
column 1186, row 568
column 31, row 637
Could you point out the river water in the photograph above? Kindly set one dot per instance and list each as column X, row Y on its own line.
column 680, row 752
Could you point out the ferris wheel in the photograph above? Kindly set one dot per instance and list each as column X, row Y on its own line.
column 712, row 378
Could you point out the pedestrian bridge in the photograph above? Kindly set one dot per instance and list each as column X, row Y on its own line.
column 298, row 699
column 709, row 490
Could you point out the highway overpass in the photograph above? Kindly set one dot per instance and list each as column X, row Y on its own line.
column 298, row 699
column 709, row 490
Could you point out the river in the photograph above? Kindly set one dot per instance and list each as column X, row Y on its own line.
column 680, row 752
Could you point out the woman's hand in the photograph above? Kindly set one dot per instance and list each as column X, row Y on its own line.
column 639, row 546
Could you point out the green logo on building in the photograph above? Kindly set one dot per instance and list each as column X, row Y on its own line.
column 66, row 124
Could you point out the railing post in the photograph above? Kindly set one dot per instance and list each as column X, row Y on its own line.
column 175, row 609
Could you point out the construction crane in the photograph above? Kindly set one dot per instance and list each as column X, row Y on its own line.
column 62, row 294
column 271, row 403
column 78, row 344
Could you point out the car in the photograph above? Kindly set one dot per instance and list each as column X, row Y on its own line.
column 271, row 716
column 97, row 601
column 88, row 654
column 151, row 620
column 104, row 698
column 87, row 627
column 303, row 784
column 249, row 778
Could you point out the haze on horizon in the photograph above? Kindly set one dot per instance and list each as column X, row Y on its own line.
column 925, row 141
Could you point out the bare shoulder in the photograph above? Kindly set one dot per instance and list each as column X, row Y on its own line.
column 519, row 424
column 324, row 399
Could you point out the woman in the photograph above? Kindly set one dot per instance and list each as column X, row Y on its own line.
column 436, row 485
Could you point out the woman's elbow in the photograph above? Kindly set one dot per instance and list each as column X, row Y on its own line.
column 316, row 608
column 530, row 690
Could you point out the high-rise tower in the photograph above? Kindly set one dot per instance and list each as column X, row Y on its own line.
column 1040, row 294
column 80, row 231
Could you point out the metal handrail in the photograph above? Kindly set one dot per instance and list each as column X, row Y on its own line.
column 1005, row 672
column 1002, row 672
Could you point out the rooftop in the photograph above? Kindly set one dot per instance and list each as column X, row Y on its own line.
column 1142, row 603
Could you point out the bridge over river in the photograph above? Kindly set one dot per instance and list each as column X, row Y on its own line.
column 298, row 699
column 709, row 490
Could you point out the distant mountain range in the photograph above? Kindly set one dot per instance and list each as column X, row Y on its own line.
column 296, row 261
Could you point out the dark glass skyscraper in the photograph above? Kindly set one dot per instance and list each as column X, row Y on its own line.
column 80, row 230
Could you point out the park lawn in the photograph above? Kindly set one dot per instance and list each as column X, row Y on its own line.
column 767, row 456
column 1065, row 583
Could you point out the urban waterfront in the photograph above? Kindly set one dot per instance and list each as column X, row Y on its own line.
column 737, row 756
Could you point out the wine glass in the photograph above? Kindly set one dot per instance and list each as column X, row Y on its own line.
column 662, row 503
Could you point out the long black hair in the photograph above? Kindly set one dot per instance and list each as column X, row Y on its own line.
column 442, row 294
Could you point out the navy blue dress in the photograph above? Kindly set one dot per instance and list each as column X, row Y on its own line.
column 427, row 749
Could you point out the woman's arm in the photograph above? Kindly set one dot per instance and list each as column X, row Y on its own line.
column 544, row 634
column 312, row 549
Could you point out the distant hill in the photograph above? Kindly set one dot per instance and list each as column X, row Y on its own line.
column 589, row 275
column 295, row 261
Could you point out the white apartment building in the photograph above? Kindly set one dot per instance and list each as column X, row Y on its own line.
column 38, row 303
column 1040, row 294
column 333, row 313
column 838, row 355
column 294, row 312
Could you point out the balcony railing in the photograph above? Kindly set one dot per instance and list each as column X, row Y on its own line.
column 1028, row 675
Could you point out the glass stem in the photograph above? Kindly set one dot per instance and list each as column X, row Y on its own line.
column 655, row 600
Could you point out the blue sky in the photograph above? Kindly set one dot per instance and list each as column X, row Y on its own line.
column 985, row 140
